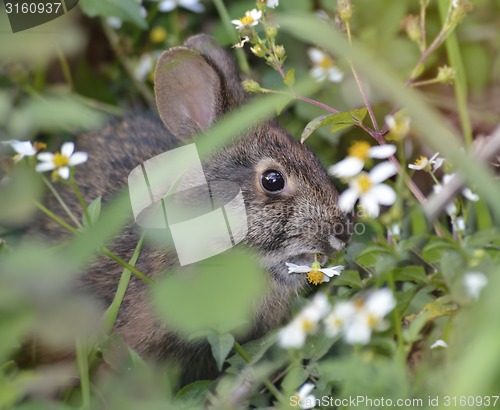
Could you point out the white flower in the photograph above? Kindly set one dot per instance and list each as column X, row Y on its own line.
column 466, row 192
column 305, row 323
column 369, row 316
column 424, row 163
column 251, row 18
column 474, row 282
column 316, row 274
column 191, row 5
column 144, row 67
column 273, row 3
column 369, row 190
column 358, row 153
column 339, row 318
column 61, row 162
column 398, row 125
column 324, row 66
column 22, row 148
column 304, row 398
column 459, row 224
column 439, row 343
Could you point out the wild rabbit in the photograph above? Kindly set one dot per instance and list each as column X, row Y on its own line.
column 291, row 204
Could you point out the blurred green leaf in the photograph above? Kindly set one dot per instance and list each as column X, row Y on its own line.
column 221, row 345
column 289, row 79
column 94, row 212
column 348, row 278
column 126, row 10
column 216, row 294
column 53, row 113
column 193, row 394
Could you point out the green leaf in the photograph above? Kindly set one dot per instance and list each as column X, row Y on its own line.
column 433, row 251
column 412, row 333
column 126, row 10
column 410, row 274
column 190, row 298
column 337, row 121
column 221, row 346
column 348, row 278
column 359, row 114
column 194, row 393
column 312, row 126
column 94, row 211
column 371, row 255
column 289, row 79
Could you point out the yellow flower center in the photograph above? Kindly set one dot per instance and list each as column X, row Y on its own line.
column 364, row 183
column 326, row 62
column 60, row 160
column 372, row 321
column 247, row 20
column 158, row 34
column 315, row 277
column 422, row 160
column 359, row 150
column 307, row 326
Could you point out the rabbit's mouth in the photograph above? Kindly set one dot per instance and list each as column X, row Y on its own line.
column 307, row 259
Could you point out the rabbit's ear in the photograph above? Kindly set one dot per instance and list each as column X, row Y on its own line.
column 189, row 92
column 225, row 65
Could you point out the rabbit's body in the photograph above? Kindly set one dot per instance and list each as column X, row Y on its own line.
column 291, row 225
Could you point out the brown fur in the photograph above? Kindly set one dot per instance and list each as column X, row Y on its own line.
column 286, row 227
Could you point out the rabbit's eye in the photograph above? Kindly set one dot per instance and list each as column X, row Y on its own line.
column 273, row 181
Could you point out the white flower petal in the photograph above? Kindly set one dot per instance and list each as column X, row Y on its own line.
column 293, row 268
column 24, row 148
column 315, row 54
column 45, row 156
column 471, row 196
column 167, row 5
column 382, row 151
column 78, row 158
column 292, row 336
column 439, row 343
column 385, row 194
column 382, row 171
column 192, row 5
column 335, row 75
column 332, row 271
column 305, row 389
column 447, row 178
column 420, row 167
column 369, row 203
column 390, row 121
column 273, row 3
column 474, row 282
column 44, row 166
column 380, row 302
column 348, row 167
column 318, row 73
column 63, row 172
column 67, row 149
column 347, row 199
column 114, row 22
column 358, row 331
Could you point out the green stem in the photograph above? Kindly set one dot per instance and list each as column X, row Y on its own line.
column 244, row 355
column 53, row 216
column 112, row 312
column 125, row 264
column 79, row 196
column 83, row 370
column 65, row 67
column 460, row 83
column 231, row 31
column 106, row 251
column 61, row 202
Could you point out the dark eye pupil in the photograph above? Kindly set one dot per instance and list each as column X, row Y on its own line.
column 273, row 181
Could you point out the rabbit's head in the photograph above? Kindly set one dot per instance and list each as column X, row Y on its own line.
column 291, row 204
